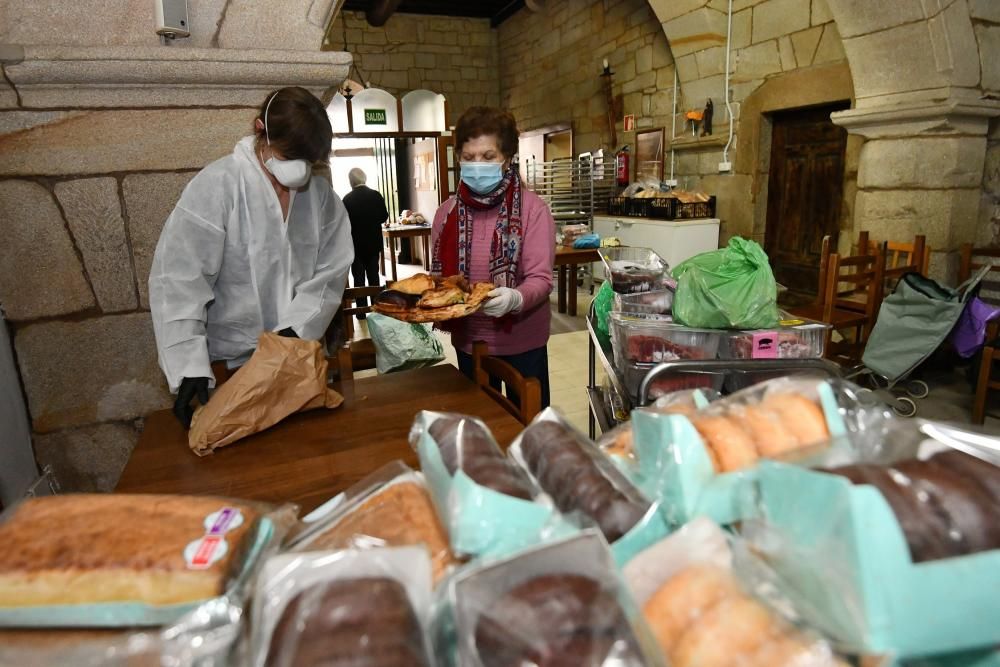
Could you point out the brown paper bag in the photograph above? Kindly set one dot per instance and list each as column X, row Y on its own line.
column 284, row 376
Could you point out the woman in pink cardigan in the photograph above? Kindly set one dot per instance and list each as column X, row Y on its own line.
column 496, row 230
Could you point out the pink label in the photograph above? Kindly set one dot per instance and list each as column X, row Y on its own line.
column 765, row 345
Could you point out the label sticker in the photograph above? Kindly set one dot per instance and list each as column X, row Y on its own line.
column 223, row 521
column 765, row 345
column 204, row 552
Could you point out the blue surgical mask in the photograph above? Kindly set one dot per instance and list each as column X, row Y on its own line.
column 482, row 177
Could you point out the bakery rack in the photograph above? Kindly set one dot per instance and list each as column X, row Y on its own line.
column 572, row 188
column 600, row 396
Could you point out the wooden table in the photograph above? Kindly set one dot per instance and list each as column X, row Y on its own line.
column 310, row 457
column 567, row 259
column 405, row 232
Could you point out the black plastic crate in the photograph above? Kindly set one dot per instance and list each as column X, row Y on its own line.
column 694, row 210
column 661, row 208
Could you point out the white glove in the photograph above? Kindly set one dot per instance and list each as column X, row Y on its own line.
column 501, row 301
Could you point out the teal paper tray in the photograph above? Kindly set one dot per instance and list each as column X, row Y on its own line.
column 846, row 563
column 126, row 614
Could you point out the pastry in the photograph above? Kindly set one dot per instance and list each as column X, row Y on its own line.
column 785, row 651
column 555, row 620
column 734, row 626
column 686, row 596
column 348, row 623
column 770, row 436
column 88, row 549
column 801, row 416
column 572, row 477
column 733, row 448
column 439, row 298
column 400, row 514
column 416, row 284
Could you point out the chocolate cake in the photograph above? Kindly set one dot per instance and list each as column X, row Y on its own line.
column 364, row 622
column 465, row 444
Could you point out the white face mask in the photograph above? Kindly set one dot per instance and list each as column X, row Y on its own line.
column 290, row 173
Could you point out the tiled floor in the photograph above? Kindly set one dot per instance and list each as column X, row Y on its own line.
column 950, row 398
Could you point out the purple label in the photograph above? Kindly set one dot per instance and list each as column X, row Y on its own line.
column 222, row 521
column 765, row 345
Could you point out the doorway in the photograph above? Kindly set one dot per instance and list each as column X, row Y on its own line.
column 805, row 188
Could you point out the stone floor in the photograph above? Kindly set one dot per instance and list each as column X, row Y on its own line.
column 950, row 398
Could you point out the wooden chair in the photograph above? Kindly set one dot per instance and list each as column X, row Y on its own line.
column 850, row 301
column 985, row 378
column 352, row 354
column 900, row 258
column 490, row 371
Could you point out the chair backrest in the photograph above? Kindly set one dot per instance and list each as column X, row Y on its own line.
column 824, row 261
column 900, row 258
column 972, row 260
column 863, row 275
column 528, row 390
column 340, row 334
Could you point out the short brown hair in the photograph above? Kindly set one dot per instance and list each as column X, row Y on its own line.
column 479, row 121
column 297, row 124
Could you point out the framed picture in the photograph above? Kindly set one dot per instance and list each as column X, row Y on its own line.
column 649, row 154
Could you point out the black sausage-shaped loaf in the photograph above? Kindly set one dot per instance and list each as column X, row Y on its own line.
column 573, row 478
column 466, row 445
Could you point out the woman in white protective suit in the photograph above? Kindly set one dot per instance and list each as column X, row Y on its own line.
column 256, row 243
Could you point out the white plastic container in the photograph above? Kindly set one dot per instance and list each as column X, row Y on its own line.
column 637, row 340
column 632, row 270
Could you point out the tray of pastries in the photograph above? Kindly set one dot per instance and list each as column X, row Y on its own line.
column 423, row 298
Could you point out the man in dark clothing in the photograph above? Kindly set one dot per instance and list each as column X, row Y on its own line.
column 366, row 209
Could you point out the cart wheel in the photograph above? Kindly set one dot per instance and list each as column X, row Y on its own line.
column 904, row 407
column 917, row 389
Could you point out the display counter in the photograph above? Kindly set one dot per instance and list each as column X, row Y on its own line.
column 673, row 240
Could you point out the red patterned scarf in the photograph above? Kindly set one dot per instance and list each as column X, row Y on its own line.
column 453, row 249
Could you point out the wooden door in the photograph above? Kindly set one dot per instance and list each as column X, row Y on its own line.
column 805, row 188
column 447, row 167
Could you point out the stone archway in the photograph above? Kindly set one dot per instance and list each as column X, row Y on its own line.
column 919, row 82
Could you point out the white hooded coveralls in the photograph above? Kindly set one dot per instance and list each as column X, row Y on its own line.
column 227, row 267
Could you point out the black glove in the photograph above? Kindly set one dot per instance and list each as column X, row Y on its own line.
column 189, row 389
column 288, row 333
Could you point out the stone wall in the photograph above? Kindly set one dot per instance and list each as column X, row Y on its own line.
column 450, row 55
column 100, row 133
column 550, row 64
column 986, row 23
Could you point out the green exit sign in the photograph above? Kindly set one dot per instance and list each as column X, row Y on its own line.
column 375, row 117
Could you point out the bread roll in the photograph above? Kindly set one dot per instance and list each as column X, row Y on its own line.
column 770, row 436
column 733, row 448
column 801, row 416
column 681, row 602
column 734, row 627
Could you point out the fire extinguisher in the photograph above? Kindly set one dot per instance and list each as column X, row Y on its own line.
column 621, row 166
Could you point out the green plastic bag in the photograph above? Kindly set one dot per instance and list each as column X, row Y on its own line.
column 729, row 288
column 603, row 301
column 402, row 346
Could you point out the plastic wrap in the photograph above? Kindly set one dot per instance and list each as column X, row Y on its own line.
column 402, row 346
column 559, row 604
column 701, row 614
column 129, row 560
column 579, row 478
column 900, row 559
column 618, row 442
column 489, row 505
column 646, row 341
column 346, row 608
column 632, row 270
column 392, row 507
column 655, row 305
column 705, row 464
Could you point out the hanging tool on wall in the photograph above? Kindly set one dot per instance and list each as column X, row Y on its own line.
column 694, row 117
column 614, row 104
column 706, row 121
